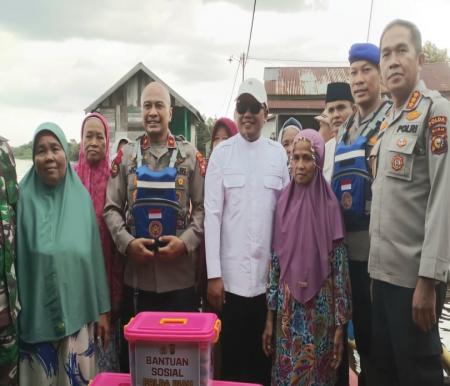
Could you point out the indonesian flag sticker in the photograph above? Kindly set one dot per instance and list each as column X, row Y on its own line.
column 346, row 185
column 154, row 213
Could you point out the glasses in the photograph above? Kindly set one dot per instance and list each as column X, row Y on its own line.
column 242, row 107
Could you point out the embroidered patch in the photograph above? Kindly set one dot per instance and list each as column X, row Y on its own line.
column 346, row 200
column 145, row 142
column 201, row 163
column 412, row 115
column 180, row 195
column 155, row 229
column 413, row 100
column 402, row 142
column 373, row 140
column 170, row 141
column 440, row 120
column 180, row 181
column 182, row 170
column 439, row 142
column 397, row 162
column 115, row 164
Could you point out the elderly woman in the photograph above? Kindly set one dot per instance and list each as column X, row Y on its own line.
column 94, row 170
column 61, row 273
column 288, row 132
column 223, row 129
column 308, row 286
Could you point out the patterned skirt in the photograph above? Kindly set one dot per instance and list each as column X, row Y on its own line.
column 66, row 362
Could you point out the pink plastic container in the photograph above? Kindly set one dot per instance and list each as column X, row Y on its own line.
column 223, row 383
column 111, row 379
column 171, row 348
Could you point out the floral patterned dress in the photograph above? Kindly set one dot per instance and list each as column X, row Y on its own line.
column 305, row 332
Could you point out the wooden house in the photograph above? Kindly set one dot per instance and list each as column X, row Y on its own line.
column 121, row 105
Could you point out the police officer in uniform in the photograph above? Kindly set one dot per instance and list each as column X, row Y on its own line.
column 154, row 211
column 352, row 185
column 409, row 246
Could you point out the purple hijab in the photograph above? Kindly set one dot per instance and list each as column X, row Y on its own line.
column 307, row 221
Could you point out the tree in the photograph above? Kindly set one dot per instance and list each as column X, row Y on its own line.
column 26, row 151
column 204, row 135
column 74, row 150
column 434, row 54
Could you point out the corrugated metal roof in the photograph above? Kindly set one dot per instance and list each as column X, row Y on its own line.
column 302, row 80
column 312, row 81
column 297, row 104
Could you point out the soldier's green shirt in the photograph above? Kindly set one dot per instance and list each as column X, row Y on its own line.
column 9, row 192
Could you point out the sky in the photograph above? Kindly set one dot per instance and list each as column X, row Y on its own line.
column 58, row 56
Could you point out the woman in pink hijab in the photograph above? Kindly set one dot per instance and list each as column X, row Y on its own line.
column 93, row 168
column 308, row 289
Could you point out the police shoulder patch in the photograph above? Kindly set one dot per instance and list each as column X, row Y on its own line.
column 201, row 163
column 439, row 142
column 438, row 128
column 439, row 120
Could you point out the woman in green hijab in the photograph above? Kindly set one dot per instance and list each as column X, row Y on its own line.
column 61, row 274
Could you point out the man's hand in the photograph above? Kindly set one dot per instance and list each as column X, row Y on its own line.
column 338, row 348
column 175, row 247
column 216, row 293
column 101, row 332
column 138, row 250
column 424, row 304
column 267, row 336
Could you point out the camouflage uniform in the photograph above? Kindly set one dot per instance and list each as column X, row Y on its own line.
column 9, row 302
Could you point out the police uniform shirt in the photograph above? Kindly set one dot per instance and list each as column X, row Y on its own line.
column 358, row 242
column 410, row 211
column 158, row 275
column 243, row 182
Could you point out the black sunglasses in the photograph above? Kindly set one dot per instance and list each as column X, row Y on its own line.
column 254, row 107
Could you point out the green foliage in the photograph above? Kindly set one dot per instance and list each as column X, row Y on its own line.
column 26, row 151
column 434, row 54
column 204, row 135
column 23, row 151
column 74, row 150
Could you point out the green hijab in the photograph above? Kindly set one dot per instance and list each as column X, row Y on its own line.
column 61, row 273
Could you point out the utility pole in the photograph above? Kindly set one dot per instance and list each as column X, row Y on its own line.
column 242, row 60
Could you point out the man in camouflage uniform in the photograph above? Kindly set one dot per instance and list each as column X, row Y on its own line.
column 161, row 280
column 9, row 304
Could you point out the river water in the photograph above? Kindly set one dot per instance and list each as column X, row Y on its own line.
column 22, row 166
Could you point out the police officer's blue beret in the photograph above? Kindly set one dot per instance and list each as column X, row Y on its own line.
column 364, row 51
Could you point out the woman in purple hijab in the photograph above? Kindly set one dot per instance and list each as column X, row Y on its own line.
column 308, row 291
